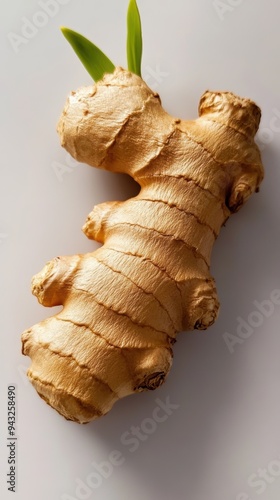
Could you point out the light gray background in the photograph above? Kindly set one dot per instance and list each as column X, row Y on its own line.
column 225, row 430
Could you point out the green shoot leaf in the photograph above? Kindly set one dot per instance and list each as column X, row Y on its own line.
column 93, row 59
column 134, row 38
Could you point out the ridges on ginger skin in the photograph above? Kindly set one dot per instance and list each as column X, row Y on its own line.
column 124, row 304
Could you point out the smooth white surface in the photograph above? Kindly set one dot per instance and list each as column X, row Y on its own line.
column 225, row 431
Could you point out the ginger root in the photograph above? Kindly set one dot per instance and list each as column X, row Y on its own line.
column 124, row 304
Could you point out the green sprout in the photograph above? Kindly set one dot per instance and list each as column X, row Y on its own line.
column 134, row 38
column 95, row 61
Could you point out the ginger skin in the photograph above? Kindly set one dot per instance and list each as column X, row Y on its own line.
column 124, row 304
